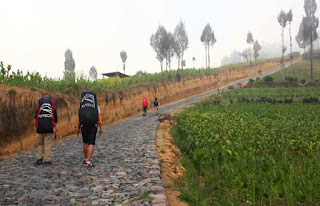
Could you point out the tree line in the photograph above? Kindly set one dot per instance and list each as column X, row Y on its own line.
column 168, row 45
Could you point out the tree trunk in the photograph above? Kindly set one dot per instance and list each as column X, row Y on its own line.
column 161, row 63
column 291, row 57
column 166, row 64
column 311, row 58
column 311, row 43
column 182, row 64
column 250, row 53
column 282, row 61
column 209, row 58
column 206, row 57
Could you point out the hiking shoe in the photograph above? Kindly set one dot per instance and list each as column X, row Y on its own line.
column 84, row 161
column 89, row 164
column 39, row 161
column 47, row 163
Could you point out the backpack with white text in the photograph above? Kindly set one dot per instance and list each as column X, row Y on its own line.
column 88, row 111
column 45, row 119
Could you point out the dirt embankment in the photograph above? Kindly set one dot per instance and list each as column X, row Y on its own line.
column 18, row 105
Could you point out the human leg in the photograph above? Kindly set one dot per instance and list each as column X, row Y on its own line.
column 90, row 152
column 48, row 140
column 40, row 148
column 89, row 137
column 85, row 151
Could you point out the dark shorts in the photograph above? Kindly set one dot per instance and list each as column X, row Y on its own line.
column 145, row 109
column 89, row 134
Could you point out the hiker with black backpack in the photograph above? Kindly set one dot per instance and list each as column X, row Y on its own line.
column 88, row 122
column 46, row 119
column 156, row 104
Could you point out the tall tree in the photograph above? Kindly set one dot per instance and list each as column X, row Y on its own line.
column 282, row 19
column 158, row 42
column 69, row 66
column 208, row 39
column 124, row 56
column 256, row 49
column 312, row 23
column 93, row 75
column 194, row 60
column 289, row 18
column 250, row 41
column 302, row 34
column 170, row 50
column 181, row 41
column 245, row 54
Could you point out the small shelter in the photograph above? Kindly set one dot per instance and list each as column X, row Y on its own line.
column 114, row 74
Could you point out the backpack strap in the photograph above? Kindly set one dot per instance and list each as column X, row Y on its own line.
column 53, row 117
column 37, row 116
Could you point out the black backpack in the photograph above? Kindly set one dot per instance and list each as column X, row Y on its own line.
column 156, row 103
column 45, row 119
column 88, row 111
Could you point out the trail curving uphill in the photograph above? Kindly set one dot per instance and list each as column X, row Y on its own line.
column 127, row 169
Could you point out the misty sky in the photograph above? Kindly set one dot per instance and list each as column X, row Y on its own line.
column 36, row 33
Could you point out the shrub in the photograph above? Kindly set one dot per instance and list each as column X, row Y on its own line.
column 268, row 79
column 251, row 81
column 291, row 79
column 288, row 101
column 310, row 100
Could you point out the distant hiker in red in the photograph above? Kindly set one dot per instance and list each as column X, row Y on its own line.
column 46, row 118
column 89, row 118
column 145, row 105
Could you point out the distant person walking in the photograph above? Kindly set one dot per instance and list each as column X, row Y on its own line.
column 89, row 119
column 145, row 105
column 46, row 119
column 156, row 104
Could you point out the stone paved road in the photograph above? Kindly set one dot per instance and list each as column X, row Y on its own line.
column 126, row 167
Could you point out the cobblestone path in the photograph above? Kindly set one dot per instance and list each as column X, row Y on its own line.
column 126, row 173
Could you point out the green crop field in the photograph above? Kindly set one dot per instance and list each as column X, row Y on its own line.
column 252, row 146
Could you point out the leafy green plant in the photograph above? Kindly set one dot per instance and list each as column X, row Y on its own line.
column 268, row 79
column 144, row 195
column 259, row 151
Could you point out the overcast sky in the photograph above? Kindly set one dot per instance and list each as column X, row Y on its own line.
column 34, row 34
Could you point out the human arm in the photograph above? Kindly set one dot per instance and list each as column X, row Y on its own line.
column 79, row 127
column 55, row 116
column 99, row 124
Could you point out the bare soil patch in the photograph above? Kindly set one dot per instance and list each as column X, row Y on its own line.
column 170, row 162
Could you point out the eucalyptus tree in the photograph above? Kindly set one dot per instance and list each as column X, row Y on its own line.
column 302, row 34
column 194, row 60
column 93, row 75
column 289, row 18
column 124, row 56
column 159, row 43
column 181, row 41
column 69, row 66
column 282, row 19
column 256, row 49
column 249, row 41
column 208, row 39
column 170, row 50
column 245, row 54
column 312, row 23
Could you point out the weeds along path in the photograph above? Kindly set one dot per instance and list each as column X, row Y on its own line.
column 126, row 173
